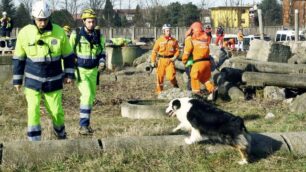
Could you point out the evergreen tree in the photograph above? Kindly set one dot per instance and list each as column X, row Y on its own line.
column 117, row 20
column 108, row 12
column 174, row 13
column 190, row 13
column 22, row 16
column 271, row 12
column 62, row 18
column 124, row 21
column 138, row 18
column 8, row 6
column 158, row 16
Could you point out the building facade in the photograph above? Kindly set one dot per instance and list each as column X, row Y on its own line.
column 233, row 17
column 289, row 6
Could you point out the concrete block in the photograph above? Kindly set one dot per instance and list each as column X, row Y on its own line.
column 26, row 152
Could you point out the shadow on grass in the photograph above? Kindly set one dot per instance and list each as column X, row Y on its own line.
column 251, row 117
column 263, row 146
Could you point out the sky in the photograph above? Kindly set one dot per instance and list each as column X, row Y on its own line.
column 132, row 3
column 211, row 3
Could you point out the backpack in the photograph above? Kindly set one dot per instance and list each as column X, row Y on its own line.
column 78, row 38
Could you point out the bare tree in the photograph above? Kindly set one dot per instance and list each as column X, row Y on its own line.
column 27, row 4
column 233, row 2
column 95, row 4
column 54, row 4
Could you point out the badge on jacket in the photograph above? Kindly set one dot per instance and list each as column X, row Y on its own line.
column 53, row 42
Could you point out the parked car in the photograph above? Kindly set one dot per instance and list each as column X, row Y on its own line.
column 288, row 35
column 248, row 38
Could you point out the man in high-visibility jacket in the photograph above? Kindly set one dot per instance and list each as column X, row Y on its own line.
column 197, row 46
column 165, row 51
column 89, row 46
column 39, row 50
column 6, row 25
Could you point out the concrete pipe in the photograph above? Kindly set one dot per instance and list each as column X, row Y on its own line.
column 144, row 109
column 26, row 153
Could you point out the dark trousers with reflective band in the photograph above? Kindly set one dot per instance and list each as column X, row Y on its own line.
column 53, row 103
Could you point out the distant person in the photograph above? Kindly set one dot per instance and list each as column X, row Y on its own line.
column 208, row 32
column 164, row 53
column 6, row 25
column 240, row 36
column 230, row 44
column 219, row 36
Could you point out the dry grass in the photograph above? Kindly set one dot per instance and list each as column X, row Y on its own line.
column 107, row 122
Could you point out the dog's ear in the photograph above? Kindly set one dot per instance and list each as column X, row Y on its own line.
column 176, row 104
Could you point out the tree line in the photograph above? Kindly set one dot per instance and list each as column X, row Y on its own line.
column 153, row 15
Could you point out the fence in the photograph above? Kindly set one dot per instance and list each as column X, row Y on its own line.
column 135, row 33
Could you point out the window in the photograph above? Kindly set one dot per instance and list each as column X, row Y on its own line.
column 283, row 38
column 278, row 36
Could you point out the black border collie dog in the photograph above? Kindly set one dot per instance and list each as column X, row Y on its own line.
column 204, row 120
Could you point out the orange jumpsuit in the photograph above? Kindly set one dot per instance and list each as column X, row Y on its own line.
column 164, row 49
column 201, row 69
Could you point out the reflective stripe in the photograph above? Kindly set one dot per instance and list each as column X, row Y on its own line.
column 34, row 128
column 85, row 107
column 16, row 77
column 68, row 55
column 86, row 57
column 45, row 59
column 18, row 58
column 41, row 79
column 69, row 70
column 34, row 138
column 84, row 115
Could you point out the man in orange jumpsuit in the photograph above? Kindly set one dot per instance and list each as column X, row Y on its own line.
column 165, row 52
column 197, row 45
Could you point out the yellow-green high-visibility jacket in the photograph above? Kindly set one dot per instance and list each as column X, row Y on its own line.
column 89, row 49
column 37, row 58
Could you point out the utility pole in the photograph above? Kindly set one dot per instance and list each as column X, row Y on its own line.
column 261, row 32
column 296, row 24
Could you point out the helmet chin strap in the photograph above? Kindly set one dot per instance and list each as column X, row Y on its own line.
column 89, row 30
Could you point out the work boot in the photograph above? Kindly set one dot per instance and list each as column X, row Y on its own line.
column 60, row 137
column 86, row 130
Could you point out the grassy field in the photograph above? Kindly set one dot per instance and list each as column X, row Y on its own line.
column 107, row 122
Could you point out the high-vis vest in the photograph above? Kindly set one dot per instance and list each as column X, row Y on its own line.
column 38, row 57
column 88, row 53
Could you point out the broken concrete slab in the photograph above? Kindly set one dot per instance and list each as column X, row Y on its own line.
column 274, row 93
column 268, row 51
column 298, row 105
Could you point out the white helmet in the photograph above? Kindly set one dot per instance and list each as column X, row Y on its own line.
column 4, row 13
column 166, row 26
column 41, row 9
